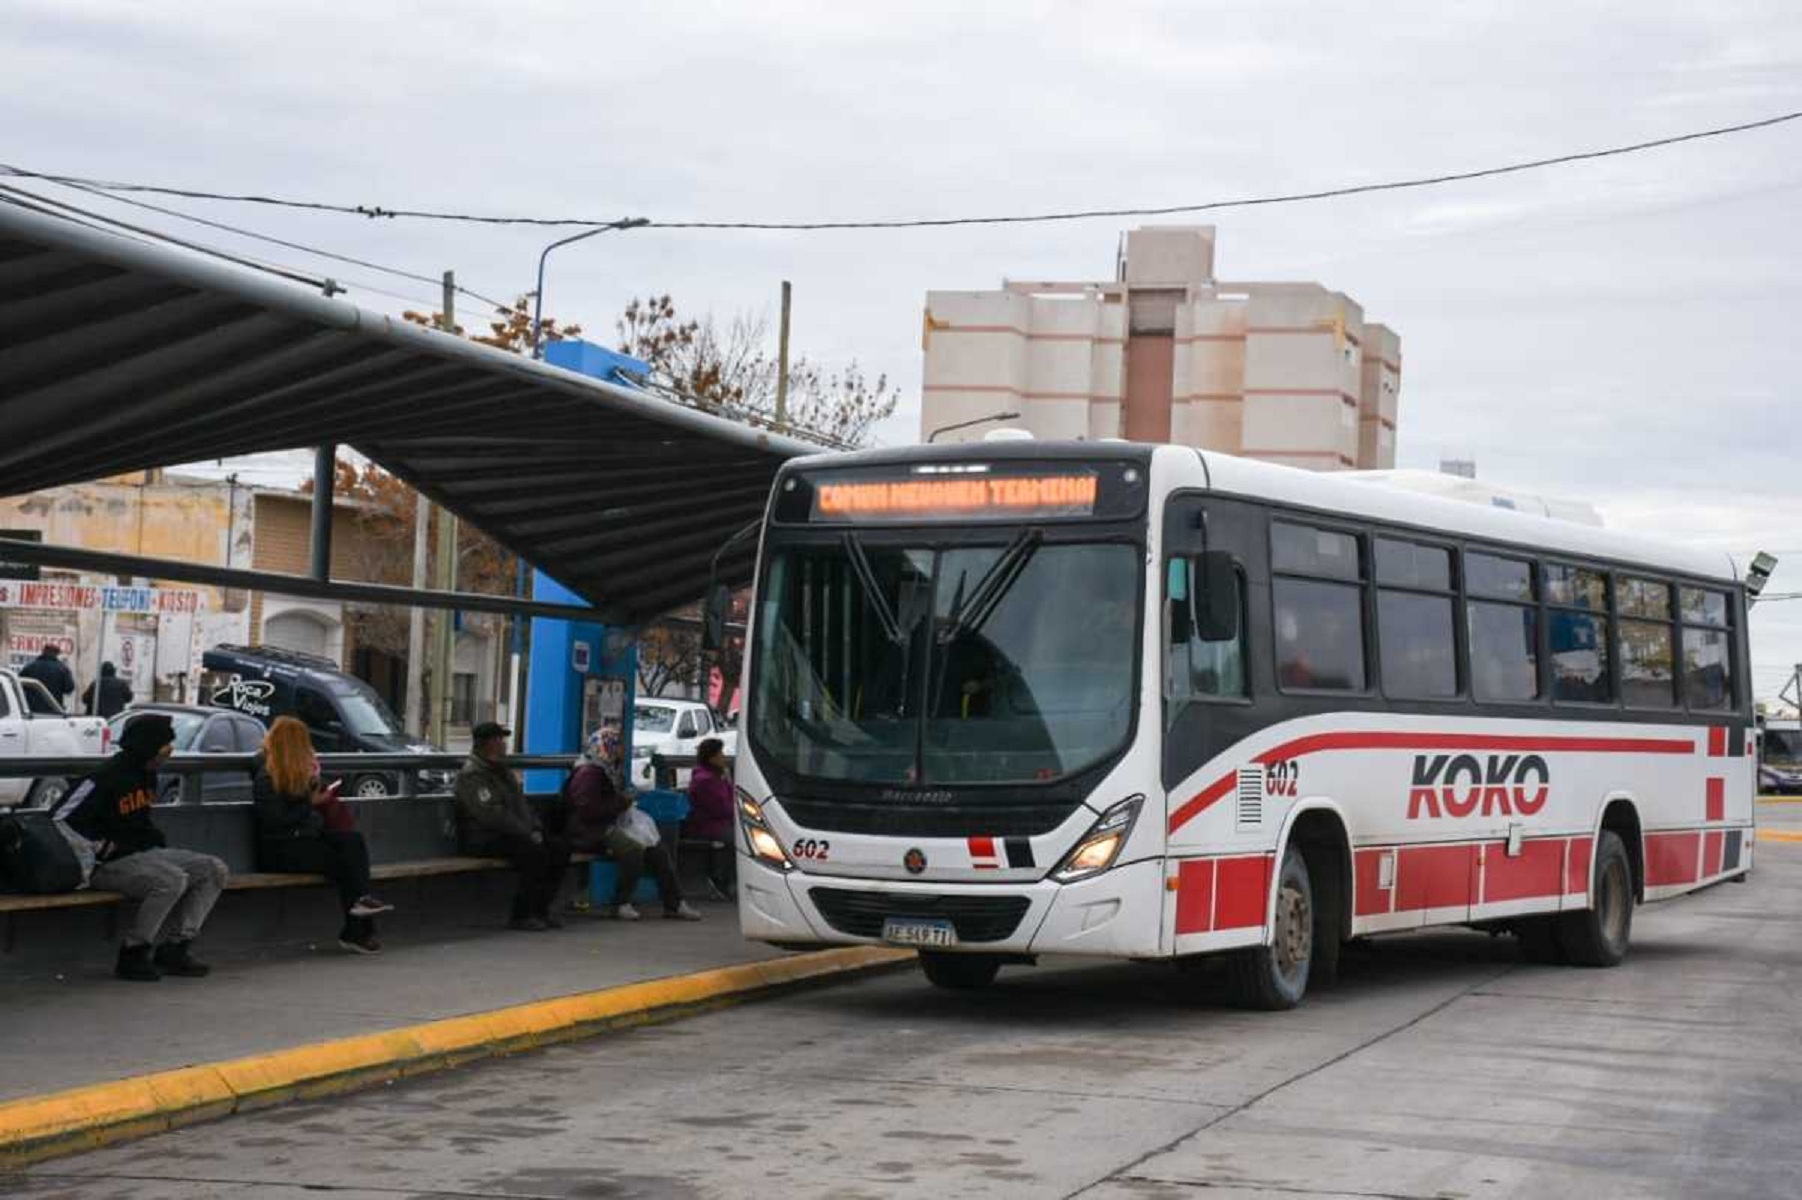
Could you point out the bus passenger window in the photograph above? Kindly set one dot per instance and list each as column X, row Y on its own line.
column 1194, row 668
column 1319, row 624
column 1504, row 628
column 1707, row 659
column 1319, row 634
column 1579, row 634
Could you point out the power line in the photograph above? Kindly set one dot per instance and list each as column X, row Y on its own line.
column 264, row 237
column 377, row 210
column 46, row 205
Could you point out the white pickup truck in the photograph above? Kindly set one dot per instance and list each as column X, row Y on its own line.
column 33, row 725
column 675, row 727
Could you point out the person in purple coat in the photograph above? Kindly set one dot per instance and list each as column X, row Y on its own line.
column 710, row 805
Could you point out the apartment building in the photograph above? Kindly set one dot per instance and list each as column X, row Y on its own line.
column 1165, row 352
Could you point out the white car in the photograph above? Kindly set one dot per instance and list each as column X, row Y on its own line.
column 33, row 725
column 672, row 727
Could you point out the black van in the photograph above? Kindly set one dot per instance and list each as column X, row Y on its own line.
column 344, row 714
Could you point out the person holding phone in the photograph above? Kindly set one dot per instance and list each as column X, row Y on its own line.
column 303, row 827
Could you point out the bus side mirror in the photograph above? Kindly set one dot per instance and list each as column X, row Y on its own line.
column 1182, row 612
column 1217, row 597
column 713, row 617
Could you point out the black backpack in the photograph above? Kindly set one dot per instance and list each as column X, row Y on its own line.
column 35, row 857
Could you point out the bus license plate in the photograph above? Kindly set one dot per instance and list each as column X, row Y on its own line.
column 904, row 932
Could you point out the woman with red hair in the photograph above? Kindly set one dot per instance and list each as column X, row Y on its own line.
column 303, row 827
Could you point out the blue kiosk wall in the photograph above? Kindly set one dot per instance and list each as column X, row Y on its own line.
column 555, row 688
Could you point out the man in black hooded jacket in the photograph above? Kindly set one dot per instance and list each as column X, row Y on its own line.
column 175, row 889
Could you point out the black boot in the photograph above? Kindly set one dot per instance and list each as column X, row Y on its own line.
column 174, row 959
column 134, row 964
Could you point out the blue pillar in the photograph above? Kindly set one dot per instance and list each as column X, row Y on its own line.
column 557, row 683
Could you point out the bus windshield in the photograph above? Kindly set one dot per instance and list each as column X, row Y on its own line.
column 924, row 665
column 1783, row 747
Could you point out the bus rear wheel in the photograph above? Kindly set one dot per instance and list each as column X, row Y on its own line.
column 1275, row 977
column 1597, row 936
column 959, row 972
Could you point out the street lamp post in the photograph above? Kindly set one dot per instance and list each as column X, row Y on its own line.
column 538, row 293
column 1000, row 416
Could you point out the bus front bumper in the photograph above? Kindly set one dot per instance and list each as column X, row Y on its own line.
column 1117, row 914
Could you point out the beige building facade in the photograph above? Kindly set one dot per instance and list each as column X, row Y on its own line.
column 1292, row 373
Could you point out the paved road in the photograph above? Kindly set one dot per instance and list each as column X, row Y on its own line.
column 1442, row 1066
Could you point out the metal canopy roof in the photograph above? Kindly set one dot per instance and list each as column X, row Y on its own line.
column 119, row 355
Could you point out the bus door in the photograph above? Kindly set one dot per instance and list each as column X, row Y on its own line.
column 1213, row 552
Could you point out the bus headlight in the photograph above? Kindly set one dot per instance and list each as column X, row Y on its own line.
column 765, row 845
column 1101, row 845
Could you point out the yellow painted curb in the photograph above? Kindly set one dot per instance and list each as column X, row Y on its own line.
column 40, row 1127
column 1780, row 799
column 1780, row 835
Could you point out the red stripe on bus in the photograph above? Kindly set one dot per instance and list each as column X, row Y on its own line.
column 1243, row 886
column 1671, row 858
column 1537, row 871
column 1576, row 871
column 1435, row 877
column 1711, row 853
column 1381, row 740
column 1369, row 896
column 1195, row 896
column 1716, row 803
column 1717, row 741
column 1201, row 802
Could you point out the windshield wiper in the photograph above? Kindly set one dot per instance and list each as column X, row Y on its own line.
column 994, row 584
column 860, row 566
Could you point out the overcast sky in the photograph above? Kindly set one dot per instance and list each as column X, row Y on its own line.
column 1625, row 331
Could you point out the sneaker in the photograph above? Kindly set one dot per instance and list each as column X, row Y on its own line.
column 173, row 958
column 582, row 906
column 363, row 945
column 135, row 964
column 369, row 906
column 619, row 912
column 683, row 912
column 716, row 892
column 527, row 925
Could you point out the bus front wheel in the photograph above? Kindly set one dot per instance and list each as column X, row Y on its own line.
column 1597, row 936
column 1275, row 977
column 959, row 972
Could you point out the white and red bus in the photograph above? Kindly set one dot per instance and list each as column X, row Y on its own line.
column 1013, row 699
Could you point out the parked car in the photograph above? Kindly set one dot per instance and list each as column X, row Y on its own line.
column 672, row 727
column 33, row 725
column 1780, row 758
column 344, row 714
column 202, row 730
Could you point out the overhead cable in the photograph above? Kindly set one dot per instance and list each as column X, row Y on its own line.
column 378, row 210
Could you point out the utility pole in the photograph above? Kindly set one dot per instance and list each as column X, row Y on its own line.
column 782, row 363
column 439, row 719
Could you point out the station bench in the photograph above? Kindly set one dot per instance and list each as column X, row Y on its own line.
column 249, row 881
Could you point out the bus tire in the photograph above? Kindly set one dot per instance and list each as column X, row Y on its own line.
column 1597, row 936
column 959, row 972
column 1275, row 977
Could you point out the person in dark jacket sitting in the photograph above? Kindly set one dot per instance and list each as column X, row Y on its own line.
column 494, row 818
column 109, row 812
column 598, row 797
column 108, row 695
column 302, row 827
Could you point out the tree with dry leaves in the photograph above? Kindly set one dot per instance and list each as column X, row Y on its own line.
column 509, row 329
column 731, row 369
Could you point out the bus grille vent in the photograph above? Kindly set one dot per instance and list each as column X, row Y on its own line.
column 1251, row 799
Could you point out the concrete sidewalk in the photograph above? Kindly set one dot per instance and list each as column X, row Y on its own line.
column 85, row 1027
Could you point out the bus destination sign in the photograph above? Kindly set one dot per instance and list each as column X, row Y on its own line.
column 964, row 496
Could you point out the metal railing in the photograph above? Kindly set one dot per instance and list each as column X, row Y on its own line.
column 407, row 769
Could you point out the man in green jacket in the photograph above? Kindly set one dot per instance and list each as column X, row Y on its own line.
column 495, row 820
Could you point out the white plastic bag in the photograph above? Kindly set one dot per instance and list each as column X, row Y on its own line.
column 637, row 825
